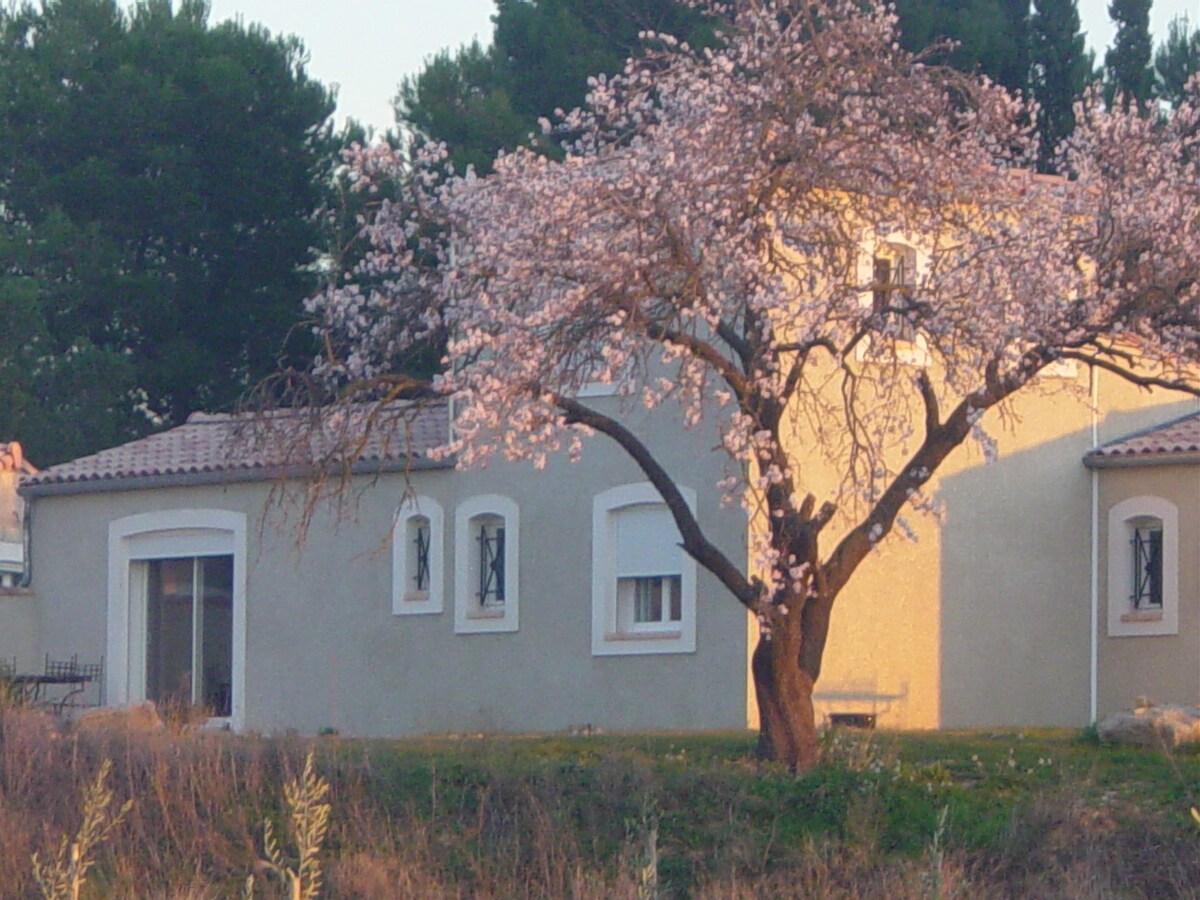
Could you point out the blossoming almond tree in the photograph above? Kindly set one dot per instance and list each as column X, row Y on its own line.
column 700, row 243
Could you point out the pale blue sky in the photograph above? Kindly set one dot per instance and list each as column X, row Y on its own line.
column 367, row 46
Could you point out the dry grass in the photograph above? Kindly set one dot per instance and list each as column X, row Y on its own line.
column 601, row 818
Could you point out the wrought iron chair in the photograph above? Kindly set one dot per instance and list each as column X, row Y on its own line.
column 94, row 673
column 62, row 668
column 82, row 676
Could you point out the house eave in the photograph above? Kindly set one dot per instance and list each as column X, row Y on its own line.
column 222, row 476
column 1141, row 460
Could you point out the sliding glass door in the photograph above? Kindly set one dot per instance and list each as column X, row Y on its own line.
column 189, row 631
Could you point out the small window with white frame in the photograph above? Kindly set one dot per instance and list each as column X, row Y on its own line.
column 643, row 583
column 486, row 559
column 892, row 269
column 1143, row 567
column 418, row 573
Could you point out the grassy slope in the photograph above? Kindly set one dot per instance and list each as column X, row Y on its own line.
column 894, row 815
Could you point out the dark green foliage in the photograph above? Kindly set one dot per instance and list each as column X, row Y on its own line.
column 163, row 175
column 480, row 101
column 1176, row 60
column 1127, row 69
column 464, row 100
column 1062, row 67
column 991, row 35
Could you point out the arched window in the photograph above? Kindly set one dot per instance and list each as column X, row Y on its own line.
column 418, row 574
column 486, row 565
column 1143, row 567
column 892, row 269
column 643, row 584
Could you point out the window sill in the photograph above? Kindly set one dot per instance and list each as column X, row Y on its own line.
column 643, row 635
column 416, row 597
column 487, row 613
column 1156, row 616
column 591, row 389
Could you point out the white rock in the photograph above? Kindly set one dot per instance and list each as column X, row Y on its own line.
column 1152, row 726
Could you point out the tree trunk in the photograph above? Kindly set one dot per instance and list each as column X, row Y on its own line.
column 788, row 729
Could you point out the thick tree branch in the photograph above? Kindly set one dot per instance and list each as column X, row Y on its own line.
column 704, row 351
column 694, row 542
column 802, row 350
column 1142, row 381
column 940, row 441
column 699, row 348
column 738, row 344
column 929, row 398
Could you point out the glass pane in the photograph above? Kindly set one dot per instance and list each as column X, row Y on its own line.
column 676, row 585
column 1147, row 567
column 489, row 559
column 417, row 539
column 216, row 650
column 169, row 631
column 1156, row 568
column 647, row 605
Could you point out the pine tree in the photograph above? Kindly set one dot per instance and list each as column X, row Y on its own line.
column 1127, row 69
column 1176, row 60
column 1061, row 67
column 482, row 100
column 158, row 182
column 990, row 37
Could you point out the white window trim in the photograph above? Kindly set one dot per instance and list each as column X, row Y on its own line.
column 161, row 535
column 590, row 389
column 1123, row 620
column 607, row 640
column 1067, row 369
column 468, row 618
column 405, row 602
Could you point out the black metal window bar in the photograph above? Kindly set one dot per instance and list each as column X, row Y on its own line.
column 894, row 288
column 491, row 565
column 421, row 578
column 883, row 278
column 1147, row 568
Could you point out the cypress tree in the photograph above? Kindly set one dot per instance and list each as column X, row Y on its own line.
column 1176, row 60
column 1127, row 69
column 990, row 36
column 1062, row 66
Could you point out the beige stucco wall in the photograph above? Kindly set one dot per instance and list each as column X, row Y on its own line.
column 1162, row 668
column 324, row 649
column 985, row 620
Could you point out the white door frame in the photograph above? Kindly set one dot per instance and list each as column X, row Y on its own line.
column 168, row 534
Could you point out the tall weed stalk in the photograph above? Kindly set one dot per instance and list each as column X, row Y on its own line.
column 63, row 875
column 308, row 823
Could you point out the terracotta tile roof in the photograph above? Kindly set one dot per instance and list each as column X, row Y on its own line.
column 1177, row 439
column 220, row 447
